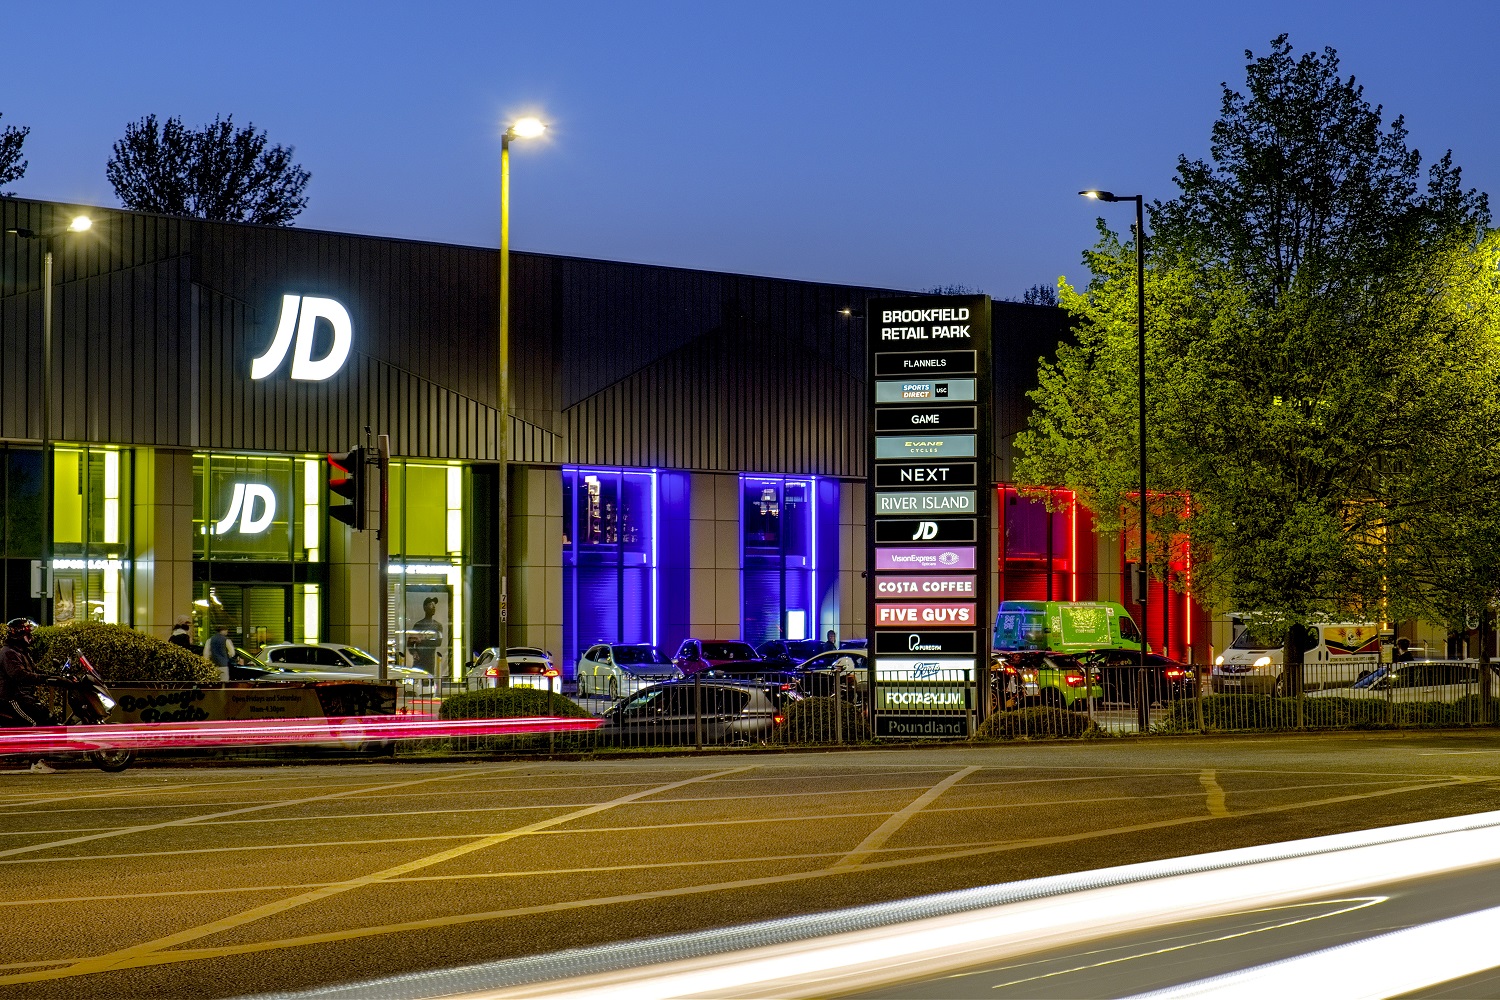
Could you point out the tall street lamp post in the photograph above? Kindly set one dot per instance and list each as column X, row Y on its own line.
column 524, row 128
column 79, row 224
column 1143, row 699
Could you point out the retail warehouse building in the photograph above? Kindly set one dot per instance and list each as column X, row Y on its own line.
column 687, row 447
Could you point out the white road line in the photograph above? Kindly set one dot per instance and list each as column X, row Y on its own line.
column 1388, row 965
column 886, row 830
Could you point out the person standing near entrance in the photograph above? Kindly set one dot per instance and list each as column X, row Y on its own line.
column 220, row 651
column 182, row 633
column 832, row 642
column 426, row 638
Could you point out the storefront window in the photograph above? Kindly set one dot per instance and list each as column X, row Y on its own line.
column 257, row 508
column 609, row 558
column 90, row 534
column 779, row 563
column 429, row 553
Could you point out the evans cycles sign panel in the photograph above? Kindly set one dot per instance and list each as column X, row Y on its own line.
column 927, row 516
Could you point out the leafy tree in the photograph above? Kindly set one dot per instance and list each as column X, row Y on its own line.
column 216, row 172
column 1039, row 295
column 951, row 290
column 12, row 167
column 1321, row 361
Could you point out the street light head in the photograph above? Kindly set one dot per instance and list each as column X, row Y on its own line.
column 527, row 128
column 25, row 234
column 1099, row 195
column 80, row 223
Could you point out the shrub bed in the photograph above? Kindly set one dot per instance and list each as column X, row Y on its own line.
column 814, row 720
column 514, row 703
column 1038, row 721
column 119, row 653
column 1251, row 711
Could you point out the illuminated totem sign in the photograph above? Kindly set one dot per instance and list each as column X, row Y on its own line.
column 929, row 396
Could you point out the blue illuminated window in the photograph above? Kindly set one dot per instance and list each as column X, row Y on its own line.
column 778, row 558
column 609, row 558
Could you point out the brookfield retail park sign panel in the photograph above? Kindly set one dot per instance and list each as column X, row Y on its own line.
column 927, row 512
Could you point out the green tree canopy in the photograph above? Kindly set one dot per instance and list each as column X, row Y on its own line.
column 1322, row 328
column 216, row 172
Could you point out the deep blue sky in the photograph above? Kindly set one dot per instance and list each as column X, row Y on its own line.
column 897, row 144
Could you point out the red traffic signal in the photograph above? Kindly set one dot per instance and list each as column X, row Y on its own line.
column 346, row 478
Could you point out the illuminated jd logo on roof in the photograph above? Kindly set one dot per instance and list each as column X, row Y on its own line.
column 299, row 318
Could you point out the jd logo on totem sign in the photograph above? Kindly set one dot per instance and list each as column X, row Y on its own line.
column 242, row 506
column 311, row 308
column 926, row 530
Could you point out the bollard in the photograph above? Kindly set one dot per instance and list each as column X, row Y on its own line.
column 838, row 705
column 698, row 710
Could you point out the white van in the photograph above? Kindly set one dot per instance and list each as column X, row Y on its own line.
column 1343, row 652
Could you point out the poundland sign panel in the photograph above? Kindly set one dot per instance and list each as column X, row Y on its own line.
column 915, row 346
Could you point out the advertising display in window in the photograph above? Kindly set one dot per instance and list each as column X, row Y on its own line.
column 91, row 535
column 778, row 531
column 609, row 559
column 429, row 556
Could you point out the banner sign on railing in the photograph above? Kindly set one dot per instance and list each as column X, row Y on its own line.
column 926, row 515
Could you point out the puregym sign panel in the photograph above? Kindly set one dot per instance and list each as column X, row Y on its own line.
column 921, row 417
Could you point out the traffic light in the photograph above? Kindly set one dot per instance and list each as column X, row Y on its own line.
column 346, row 478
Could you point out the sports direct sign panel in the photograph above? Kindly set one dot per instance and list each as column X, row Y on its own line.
column 928, row 541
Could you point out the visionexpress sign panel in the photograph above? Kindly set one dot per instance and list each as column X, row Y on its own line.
column 927, row 516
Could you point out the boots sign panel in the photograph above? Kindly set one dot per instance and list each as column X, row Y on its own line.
column 929, row 596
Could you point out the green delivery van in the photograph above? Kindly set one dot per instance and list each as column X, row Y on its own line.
column 1064, row 626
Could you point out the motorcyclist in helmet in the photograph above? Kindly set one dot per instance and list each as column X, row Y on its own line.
column 17, row 675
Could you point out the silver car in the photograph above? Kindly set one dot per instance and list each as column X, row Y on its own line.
column 618, row 669
column 525, row 666
column 338, row 661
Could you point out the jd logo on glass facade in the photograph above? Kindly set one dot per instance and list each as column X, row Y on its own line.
column 310, row 308
column 242, row 507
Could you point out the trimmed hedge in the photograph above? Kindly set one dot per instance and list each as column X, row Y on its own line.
column 119, row 653
column 1260, row 711
column 509, row 703
column 813, row 720
column 1037, row 722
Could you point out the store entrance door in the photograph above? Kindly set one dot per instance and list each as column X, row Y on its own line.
column 258, row 615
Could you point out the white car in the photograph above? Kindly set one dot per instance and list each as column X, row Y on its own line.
column 619, row 669
column 850, row 666
column 335, row 662
column 1440, row 681
column 525, row 666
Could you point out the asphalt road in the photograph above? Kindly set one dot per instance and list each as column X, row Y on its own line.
column 1171, row 956
column 212, row 882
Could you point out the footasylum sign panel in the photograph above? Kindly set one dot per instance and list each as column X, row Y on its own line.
column 921, row 417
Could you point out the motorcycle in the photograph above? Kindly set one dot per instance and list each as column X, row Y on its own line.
column 84, row 700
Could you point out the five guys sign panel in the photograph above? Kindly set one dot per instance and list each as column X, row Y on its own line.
column 927, row 511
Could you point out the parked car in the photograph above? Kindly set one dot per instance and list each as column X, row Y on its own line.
column 1438, row 681
column 706, row 654
column 1049, row 678
column 616, row 669
column 343, row 661
column 854, row 644
column 665, row 714
column 791, row 651
column 525, row 666
column 1119, row 669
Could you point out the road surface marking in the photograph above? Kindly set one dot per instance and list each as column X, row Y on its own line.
column 1214, row 792
column 149, row 952
column 139, row 957
column 189, row 820
column 886, row 830
column 1360, row 903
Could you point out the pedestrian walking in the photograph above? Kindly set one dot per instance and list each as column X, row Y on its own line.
column 220, row 651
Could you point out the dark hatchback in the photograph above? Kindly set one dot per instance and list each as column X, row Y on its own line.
column 732, row 712
column 791, row 651
column 1119, row 669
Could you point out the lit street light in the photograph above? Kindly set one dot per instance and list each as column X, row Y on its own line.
column 1143, row 699
column 523, row 128
column 78, row 224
